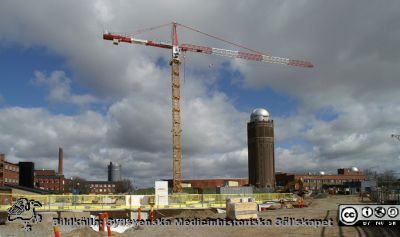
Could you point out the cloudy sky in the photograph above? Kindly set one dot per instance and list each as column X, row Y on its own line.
column 62, row 85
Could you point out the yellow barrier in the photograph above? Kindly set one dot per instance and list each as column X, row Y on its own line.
column 115, row 202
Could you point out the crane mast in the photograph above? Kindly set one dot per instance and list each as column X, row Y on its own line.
column 176, row 114
column 175, row 62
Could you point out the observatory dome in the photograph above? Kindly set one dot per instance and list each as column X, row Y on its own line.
column 259, row 114
column 354, row 169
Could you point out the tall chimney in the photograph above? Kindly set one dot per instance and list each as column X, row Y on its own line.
column 60, row 161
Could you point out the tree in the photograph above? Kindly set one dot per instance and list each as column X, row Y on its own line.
column 371, row 174
column 76, row 183
column 124, row 186
column 386, row 179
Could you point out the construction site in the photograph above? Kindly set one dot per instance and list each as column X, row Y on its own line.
column 266, row 202
column 318, row 207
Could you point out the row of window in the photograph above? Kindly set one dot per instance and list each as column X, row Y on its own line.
column 12, row 168
column 47, row 181
column 106, row 190
column 51, row 188
column 102, row 185
column 329, row 180
column 11, row 180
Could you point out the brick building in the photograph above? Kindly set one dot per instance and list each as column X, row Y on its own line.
column 49, row 180
column 9, row 172
column 42, row 179
column 261, row 151
column 317, row 182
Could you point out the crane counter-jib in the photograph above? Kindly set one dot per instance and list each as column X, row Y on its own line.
column 116, row 38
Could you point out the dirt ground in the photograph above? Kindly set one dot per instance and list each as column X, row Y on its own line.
column 322, row 208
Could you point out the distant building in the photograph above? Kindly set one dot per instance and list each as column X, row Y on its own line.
column 349, row 171
column 348, row 177
column 261, row 154
column 103, row 187
column 368, row 186
column 114, row 172
column 49, row 180
column 26, row 174
column 9, row 172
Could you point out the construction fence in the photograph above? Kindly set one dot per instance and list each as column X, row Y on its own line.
column 386, row 196
column 115, row 202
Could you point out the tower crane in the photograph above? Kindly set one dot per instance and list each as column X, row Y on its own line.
column 176, row 50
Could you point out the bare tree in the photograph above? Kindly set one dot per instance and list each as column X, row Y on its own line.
column 371, row 174
column 386, row 179
column 77, row 184
column 124, row 186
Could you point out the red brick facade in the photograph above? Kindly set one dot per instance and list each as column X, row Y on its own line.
column 9, row 172
column 49, row 180
column 44, row 179
column 317, row 181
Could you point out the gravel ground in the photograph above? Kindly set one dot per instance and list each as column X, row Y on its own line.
column 318, row 208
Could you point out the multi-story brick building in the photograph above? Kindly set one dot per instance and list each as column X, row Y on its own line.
column 42, row 179
column 49, row 180
column 9, row 172
column 317, row 182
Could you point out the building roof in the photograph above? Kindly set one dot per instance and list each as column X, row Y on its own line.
column 5, row 188
column 102, row 182
column 10, row 163
column 259, row 114
column 33, row 190
column 225, row 179
column 49, row 176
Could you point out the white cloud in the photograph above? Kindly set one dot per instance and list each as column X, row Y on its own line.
column 102, row 10
column 60, row 89
column 350, row 43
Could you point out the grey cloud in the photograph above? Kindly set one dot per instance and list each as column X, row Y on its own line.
column 353, row 45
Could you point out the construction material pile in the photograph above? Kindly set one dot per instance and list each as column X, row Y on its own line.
column 241, row 208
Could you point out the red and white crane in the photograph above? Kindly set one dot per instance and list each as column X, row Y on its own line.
column 176, row 50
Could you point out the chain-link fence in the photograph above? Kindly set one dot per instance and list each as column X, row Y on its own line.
column 109, row 202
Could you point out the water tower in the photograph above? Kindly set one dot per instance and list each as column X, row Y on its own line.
column 261, row 155
column 114, row 172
